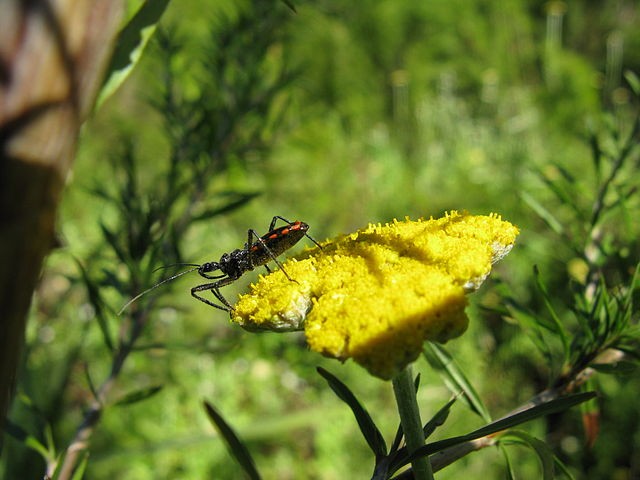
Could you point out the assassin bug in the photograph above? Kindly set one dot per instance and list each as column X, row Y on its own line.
column 258, row 251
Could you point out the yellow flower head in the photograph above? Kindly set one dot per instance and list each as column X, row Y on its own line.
column 377, row 294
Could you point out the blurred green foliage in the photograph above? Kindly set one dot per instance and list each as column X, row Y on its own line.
column 341, row 114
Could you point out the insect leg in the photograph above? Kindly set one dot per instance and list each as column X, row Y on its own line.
column 272, row 225
column 215, row 289
column 219, row 296
column 262, row 243
column 211, row 277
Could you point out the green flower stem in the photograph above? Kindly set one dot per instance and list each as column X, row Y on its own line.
column 405, row 392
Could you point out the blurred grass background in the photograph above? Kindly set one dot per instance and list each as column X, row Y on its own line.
column 390, row 109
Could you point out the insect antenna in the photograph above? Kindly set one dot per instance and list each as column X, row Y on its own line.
column 175, row 265
column 173, row 277
column 313, row 240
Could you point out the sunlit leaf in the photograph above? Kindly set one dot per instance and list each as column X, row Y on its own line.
column 563, row 468
column 139, row 395
column 510, row 472
column 438, row 419
column 553, row 406
column 541, row 448
column 543, row 213
column 80, row 469
column 633, row 80
column 368, row 428
column 34, row 444
column 130, row 44
column 441, row 360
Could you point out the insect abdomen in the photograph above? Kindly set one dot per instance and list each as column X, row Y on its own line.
column 277, row 242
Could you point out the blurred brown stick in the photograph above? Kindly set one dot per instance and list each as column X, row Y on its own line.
column 52, row 58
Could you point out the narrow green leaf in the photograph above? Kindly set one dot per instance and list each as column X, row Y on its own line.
column 114, row 242
column 622, row 367
column 90, row 383
column 110, row 279
column 564, row 197
column 633, row 81
column 602, row 316
column 553, row 406
column 533, row 325
column 368, row 428
column 441, row 360
column 49, row 442
column 543, row 213
column 438, row 419
column 625, row 193
column 583, row 316
column 235, row 446
column 34, row 444
column 563, row 468
column 101, row 192
column 634, row 284
column 59, row 463
column 596, row 154
column 82, row 466
column 528, row 318
column 290, row 5
column 240, row 200
column 566, row 174
column 397, row 440
column 511, row 475
column 131, row 42
column 559, row 328
column 537, row 411
column 416, row 383
column 541, row 448
column 98, row 304
column 28, row 440
column 139, row 395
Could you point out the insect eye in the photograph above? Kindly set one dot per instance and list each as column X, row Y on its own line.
column 207, row 267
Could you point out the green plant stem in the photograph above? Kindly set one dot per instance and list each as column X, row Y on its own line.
column 405, row 392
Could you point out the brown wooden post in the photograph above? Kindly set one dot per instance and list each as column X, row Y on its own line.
column 53, row 54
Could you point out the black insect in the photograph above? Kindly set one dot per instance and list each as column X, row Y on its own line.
column 258, row 251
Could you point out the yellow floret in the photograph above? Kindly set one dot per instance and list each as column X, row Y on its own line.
column 377, row 294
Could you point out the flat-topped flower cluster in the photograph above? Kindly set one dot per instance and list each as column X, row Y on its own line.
column 377, row 294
